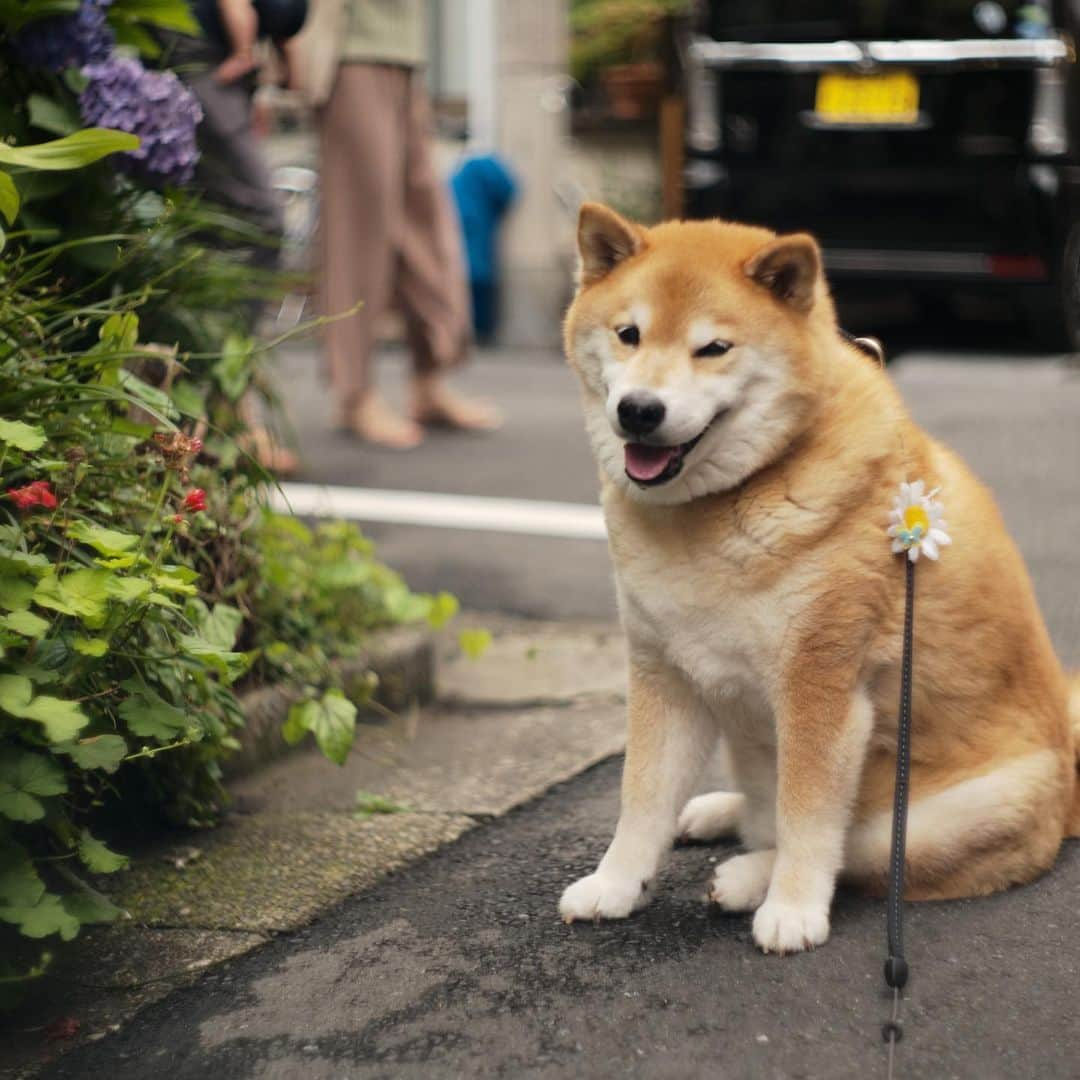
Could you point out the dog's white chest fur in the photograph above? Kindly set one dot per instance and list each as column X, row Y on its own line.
column 727, row 649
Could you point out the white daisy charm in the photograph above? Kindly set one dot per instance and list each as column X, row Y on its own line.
column 916, row 522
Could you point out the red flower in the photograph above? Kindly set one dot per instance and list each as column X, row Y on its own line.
column 64, row 1027
column 39, row 493
column 195, row 500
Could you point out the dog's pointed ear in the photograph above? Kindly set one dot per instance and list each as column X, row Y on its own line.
column 604, row 240
column 789, row 267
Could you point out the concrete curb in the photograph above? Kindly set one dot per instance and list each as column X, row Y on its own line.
column 403, row 659
column 294, row 846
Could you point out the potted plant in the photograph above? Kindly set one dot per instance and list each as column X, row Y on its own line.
column 618, row 42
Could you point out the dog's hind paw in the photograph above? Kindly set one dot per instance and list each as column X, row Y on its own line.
column 741, row 883
column 790, row 928
column 710, row 817
column 602, row 896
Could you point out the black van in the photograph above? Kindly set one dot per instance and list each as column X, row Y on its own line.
column 931, row 142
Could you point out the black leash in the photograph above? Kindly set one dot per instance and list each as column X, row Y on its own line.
column 896, row 968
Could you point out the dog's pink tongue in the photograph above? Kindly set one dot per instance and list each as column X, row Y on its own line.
column 647, row 462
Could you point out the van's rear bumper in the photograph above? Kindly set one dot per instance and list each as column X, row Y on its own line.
column 978, row 222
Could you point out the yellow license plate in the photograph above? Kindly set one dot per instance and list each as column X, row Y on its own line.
column 891, row 98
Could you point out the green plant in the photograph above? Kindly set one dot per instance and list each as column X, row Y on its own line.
column 608, row 32
column 142, row 581
column 108, row 658
column 316, row 596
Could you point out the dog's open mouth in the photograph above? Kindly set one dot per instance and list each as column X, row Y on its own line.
column 651, row 465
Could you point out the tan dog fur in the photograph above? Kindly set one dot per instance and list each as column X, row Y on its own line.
column 761, row 602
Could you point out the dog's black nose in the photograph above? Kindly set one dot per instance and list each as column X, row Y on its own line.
column 641, row 414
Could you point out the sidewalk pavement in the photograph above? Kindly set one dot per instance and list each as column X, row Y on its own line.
column 543, row 703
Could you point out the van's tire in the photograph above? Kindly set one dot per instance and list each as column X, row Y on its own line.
column 1052, row 312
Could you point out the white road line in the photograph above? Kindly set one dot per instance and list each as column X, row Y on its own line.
column 471, row 512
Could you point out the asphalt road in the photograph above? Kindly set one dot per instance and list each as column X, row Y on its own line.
column 460, row 967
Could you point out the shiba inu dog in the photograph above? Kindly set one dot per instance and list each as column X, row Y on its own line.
column 749, row 456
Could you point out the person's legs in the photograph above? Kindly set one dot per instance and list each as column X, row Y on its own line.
column 363, row 177
column 242, row 28
column 431, row 289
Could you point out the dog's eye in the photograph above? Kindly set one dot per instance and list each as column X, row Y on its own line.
column 628, row 335
column 714, row 348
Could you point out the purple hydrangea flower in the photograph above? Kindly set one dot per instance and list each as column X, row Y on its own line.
column 154, row 105
column 64, row 41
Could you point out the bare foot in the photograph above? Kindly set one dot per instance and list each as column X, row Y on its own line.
column 269, row 453
column 370, row 418
column 435, row 404
column 234, row 67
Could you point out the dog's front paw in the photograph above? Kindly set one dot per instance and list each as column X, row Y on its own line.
column 602, row 896
column 741, row 883
column 788, row 928
column 710, row 817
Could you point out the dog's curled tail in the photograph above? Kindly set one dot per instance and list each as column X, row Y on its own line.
column 1073, row 711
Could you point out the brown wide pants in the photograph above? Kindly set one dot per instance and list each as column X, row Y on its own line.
column 390, row 236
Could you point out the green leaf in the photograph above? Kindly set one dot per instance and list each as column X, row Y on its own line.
column 97, row 857
column 127, row 589
column 155, row 400
column 15, row 593
column 121, row 425
column 62, row 720
column 444, row 607
column 404, row 606
column 230, row 665
column 120, row 562
column 23, row 777
column 82, row 593
column 15, row 693
column 98, row 646
column 26, row 623
column 20, row 561
column 48, row 916
column 135, row 37
column 22, row 436
column 73, row 78
column 105, row 541
column 176, row 579
column 150, row 716
column 474, row 643
column 103, row 752
column 71, row 152
column 222, row 626
column 120, row 331
column 50, row 115
column 20, row 885
column 232, row 370
column 9, row 198
column 189, row 398
column 168, row 14
column 331, row 720
column 368, row 804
